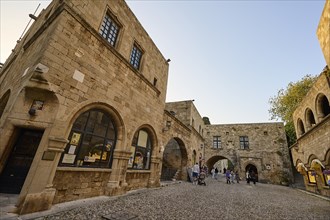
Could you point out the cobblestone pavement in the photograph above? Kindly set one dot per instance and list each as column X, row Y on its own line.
column 217, row 200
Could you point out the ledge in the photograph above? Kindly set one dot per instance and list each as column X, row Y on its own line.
column 83, row 169
column 138, row 171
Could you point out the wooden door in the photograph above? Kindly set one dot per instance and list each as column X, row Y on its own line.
column 18, row 164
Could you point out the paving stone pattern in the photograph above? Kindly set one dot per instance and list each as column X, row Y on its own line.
column 217, row 200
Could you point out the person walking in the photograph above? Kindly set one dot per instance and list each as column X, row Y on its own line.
column 232, row 176
column 253, row 177
column 237, row 176
column 212, row 172
column 247, row 176
column 195, row 172
column 228, row 176
column 216, row 171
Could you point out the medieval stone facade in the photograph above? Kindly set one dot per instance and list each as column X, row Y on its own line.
column 261, row 147
column 83, row 113
column 82, row 100
column 311, row 152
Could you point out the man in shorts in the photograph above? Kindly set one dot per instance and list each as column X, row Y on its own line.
column 195, row 172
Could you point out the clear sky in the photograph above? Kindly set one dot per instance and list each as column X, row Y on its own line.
column 229, row 56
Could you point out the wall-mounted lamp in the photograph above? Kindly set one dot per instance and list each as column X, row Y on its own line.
column 168, row 60
column 36, row 105
column 32, row 111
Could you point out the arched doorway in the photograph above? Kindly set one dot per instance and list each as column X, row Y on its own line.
column 174, row 160
column 251, row 168
column 221, row 162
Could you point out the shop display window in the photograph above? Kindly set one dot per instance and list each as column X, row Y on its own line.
column 91, row 141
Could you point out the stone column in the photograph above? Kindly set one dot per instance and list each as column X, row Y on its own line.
column 40, row 193
column 154, row 179
column 320, row 116
column 117, row 182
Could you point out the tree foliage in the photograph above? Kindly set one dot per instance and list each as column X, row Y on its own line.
column 206, row 121
column 287, row 100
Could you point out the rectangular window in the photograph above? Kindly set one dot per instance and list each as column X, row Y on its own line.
column 244, row 142
column 136, row 56
column 216, row 142
column 109, row 30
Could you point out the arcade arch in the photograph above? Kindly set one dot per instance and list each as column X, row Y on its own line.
column 252, row 168
column 301, row 129
column 310, row 119
column 322, row 105
column 175, row 160
column 220, row 162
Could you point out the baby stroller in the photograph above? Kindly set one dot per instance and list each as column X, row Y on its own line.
column 201, row 178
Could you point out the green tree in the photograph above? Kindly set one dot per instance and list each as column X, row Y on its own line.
column 287, row 100
column 206, row 121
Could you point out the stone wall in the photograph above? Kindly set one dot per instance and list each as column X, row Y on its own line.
column 187, row 113
column 65, row 62
column 323, row 32
column 73, row 185
column 311, row 153
column 267, row 149
column 311, row 102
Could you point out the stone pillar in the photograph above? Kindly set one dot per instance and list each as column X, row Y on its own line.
column 155, row 168
column 39, row 195
column 320, row 116
column 117, row 182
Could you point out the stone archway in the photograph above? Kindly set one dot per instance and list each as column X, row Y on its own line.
column 252, row 168
column 174, row 162
column 220, row 162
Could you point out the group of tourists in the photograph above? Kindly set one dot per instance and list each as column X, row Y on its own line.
column 231, row 176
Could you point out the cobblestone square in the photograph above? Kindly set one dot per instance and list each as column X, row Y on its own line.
column 216, row 200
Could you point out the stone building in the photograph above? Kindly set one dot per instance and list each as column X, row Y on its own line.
column 83, row 113
column 311, row 152
column 183, row 135
column 261, row 147
column 82, row 99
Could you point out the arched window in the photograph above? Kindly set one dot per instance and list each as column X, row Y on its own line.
column 3, row 102
column 300, row 125
column 141, row 151
column 91, row 141
column 310, row 120
column 322, row 106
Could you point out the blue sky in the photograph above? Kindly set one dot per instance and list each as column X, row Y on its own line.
column 229, row 56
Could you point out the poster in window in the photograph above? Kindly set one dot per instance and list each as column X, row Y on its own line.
column 68, row 158
column 72, row 149
column 327, row 178
column 311, row 176
column 75, row 138
column 131, row 158
column 143, row 137
column 138, row 161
